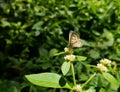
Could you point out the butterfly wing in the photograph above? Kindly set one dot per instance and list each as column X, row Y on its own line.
column 74, row 39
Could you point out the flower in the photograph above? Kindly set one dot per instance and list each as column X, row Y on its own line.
column 78, row 88
column 102, row 68
column 106, row 62
column 70, row 57
column 66, row 49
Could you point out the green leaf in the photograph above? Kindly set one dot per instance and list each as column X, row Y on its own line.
column 65, row 67
column 46, row 80
column 109, row 38
column 102, row 90
column 37, row 26
column 111, row 79
column 94, row 53
column 52, row 52
column 91, row 89
column 81, row 58
column 37, row 33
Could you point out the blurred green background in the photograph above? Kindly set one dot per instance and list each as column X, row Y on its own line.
column 32, row 31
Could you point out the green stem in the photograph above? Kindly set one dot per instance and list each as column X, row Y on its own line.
column 59, row 53
column 88, row 65
column 89, row 80
column 54, row 90
column 30, row 90
column 73, row 74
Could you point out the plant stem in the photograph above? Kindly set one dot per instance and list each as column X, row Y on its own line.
column 30, row 90
column 73, row 74
column 59, row 53
column 89, row 80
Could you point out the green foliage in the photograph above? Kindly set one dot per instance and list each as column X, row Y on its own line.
column 65, row 67
column 9, row 86
column 46, row 80
column 33, row 31
column 111, row 79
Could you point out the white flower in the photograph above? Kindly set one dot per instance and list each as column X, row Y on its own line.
column 70, row 57
column 66, row 49
column 78, row 88
column 106, row 62
column 102, row 68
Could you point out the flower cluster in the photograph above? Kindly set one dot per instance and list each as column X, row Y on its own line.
column 104, row 64
column 102, row 68
column 66, row 49
column 70, row 57
column 78, row 88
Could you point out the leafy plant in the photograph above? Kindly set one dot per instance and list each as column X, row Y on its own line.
column 54, row 80
column 32, row 31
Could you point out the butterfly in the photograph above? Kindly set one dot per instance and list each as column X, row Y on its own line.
column 74, row 39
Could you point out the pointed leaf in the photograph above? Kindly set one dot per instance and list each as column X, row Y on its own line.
column 46, row 80
column 65, row 67
column 81, row 58
column 111, row 79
